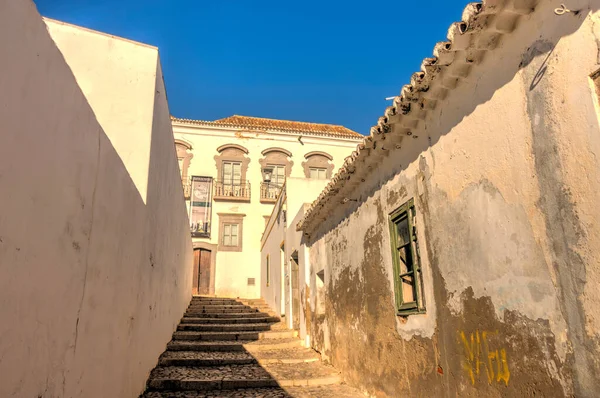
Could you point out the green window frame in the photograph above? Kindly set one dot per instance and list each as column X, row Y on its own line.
column 408, row 280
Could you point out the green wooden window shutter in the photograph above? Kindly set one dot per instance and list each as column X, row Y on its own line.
column 408, row 284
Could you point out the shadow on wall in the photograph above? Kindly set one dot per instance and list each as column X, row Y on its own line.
column 93, row 281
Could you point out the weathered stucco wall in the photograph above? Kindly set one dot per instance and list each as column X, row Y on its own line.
column 505, row 176
column 96, row 272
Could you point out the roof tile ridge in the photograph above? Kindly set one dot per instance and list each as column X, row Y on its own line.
column 423, row 93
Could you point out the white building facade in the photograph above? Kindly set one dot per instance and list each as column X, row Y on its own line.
column 233, row 170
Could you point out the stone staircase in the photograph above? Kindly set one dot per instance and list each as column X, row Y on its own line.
column 238, row 348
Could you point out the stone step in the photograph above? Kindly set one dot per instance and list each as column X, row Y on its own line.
column 218, row 306
column 226, row 320
column 229, row 302
column 216, row 303
column 206, row 346
column 207, row 302
column 219, row 327
column 214, row 299
column 278, row 334
column 208, row 336
column 231, row 308
column 205, row 358
column 210, row 378
column 234, row 335
column 228, row 315
column 267, row 392
column 329, row 391
column 286, row 355
column 272, row 344
column 303, row 374
column 242, row 310
column 242, row 376
column 253, row 303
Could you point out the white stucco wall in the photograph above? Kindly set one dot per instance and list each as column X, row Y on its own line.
column 94, row 242
column 234, row 268
column 280, row 232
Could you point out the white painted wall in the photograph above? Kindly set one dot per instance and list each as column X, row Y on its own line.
column 279, row 231
column 234, row 268
column 95, row 254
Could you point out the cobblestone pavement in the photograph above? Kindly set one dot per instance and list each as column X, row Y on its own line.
column 240, row 372
column 266, row 367
column 205, row 355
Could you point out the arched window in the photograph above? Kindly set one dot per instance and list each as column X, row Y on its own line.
column 318, row 165
column 279, row 160
column 232, row 166
column 184, row 157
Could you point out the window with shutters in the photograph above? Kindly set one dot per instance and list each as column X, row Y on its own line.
column 230, row 232
column 318, row 173
column 318, row 165
column 270, row 190
column 278, row 177
column 405, row 256
column 232, row 174
column 279, row 161
column 232, row 167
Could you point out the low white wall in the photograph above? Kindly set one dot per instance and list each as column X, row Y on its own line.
column 283, row 230
column 95, row 273
column 272, row 239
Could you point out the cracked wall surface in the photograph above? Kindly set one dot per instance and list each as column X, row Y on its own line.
column 504, row 175
column 95, row 251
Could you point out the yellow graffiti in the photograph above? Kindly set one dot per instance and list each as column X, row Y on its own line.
column 476, row 347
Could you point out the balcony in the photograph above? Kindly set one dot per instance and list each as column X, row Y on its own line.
column 269, row 192
column 237, row 192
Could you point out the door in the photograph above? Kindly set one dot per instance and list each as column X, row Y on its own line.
column 202, row 260
column 295, row 292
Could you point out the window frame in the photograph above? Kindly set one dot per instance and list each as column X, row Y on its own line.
column 232, row 182
column 319, row 170
column 226, row 219
column 406, row 211
column 275, row 176
column 231, row 235
column 318, row 159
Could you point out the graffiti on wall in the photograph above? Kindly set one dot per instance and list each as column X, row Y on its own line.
column 482, row 357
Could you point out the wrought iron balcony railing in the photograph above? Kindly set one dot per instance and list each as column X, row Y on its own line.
column 232, row 191
column 269, row 192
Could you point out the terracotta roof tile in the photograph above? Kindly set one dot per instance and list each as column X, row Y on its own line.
column 482, row 26
column 260, row 122
column 250, row 122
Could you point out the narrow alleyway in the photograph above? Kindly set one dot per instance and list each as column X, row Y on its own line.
column 238, row 348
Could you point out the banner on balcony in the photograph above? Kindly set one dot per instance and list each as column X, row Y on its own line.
column 201, row 206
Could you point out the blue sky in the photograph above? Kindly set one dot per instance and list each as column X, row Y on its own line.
column 327, row 61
